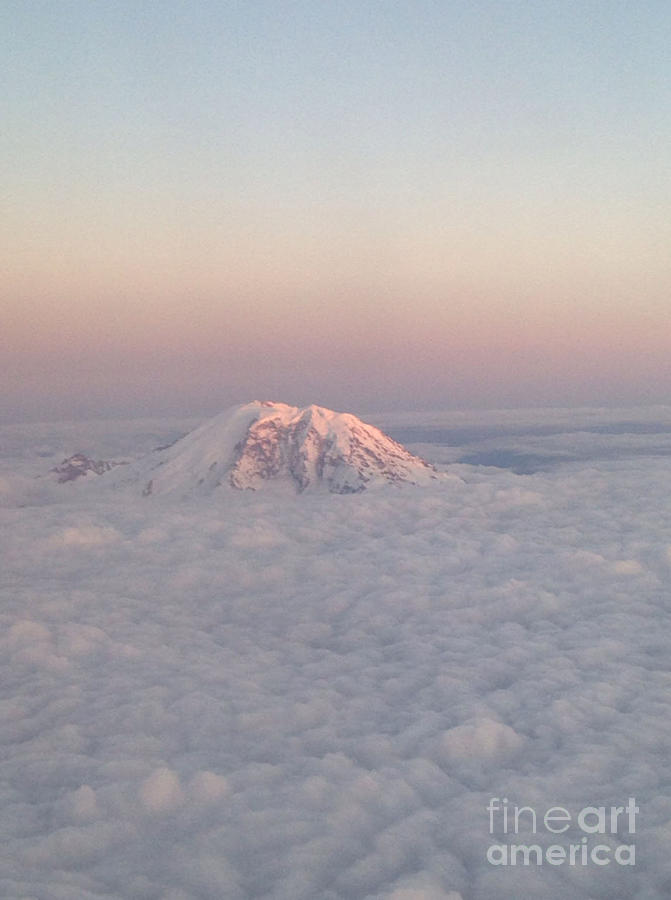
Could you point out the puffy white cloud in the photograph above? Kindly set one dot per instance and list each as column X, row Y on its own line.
column 208, row 787
column 161, row 791
column 627, row 567
column 484, row 739
column 86, row 534
column 83, row 804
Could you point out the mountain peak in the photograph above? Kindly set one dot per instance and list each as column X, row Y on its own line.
column 79, row 466
column 255, row 445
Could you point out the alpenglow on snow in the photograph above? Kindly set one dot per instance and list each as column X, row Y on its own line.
column 258, row 445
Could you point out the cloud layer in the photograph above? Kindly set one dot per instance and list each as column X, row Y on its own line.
column 316, row 697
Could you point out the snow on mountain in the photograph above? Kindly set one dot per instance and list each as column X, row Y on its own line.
column 248, row 447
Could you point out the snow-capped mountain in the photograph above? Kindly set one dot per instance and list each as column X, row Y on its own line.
column 260, row 444
column 79, row 465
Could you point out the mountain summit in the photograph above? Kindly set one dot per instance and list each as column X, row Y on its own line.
column 252, row 446
column 79, row 466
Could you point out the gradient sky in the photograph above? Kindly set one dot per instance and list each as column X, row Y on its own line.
column 369, row 205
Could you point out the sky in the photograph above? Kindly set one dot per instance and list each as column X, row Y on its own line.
column 371, row 206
